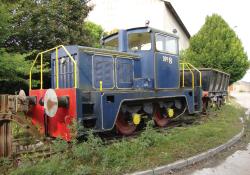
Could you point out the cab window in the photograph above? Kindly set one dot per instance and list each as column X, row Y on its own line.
column 166, row 43
column 139, row 41
column 111, row 44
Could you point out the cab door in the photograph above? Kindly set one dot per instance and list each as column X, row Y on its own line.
column 166, row 62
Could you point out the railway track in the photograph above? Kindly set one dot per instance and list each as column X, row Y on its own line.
column 45, row 149
column 36, row 150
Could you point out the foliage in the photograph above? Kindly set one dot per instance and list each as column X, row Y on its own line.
column 149, row 137
column 28, row 26
column 39, row 25
column 4, row 23
column 217, row 46
column 13, row 66
column 112, row 32
column 5, row 165
column 94, row 32
column 13, row 72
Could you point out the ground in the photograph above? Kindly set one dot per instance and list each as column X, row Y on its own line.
column 231, row 162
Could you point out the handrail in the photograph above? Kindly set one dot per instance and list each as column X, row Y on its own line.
column 200, row 75
column 57, row 74
column 190, row 67
column 192, row 75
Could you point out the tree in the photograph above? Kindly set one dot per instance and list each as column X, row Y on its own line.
column 4, row 23
column 43, row 24
column 217, row 46
column 37, row 25
column 94, row 32
column 13, row 72
column 13, row 67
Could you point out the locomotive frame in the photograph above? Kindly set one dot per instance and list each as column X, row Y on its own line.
column 147, row 84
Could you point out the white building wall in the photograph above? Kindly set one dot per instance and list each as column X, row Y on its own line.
column 170, row 23
column 124, row 14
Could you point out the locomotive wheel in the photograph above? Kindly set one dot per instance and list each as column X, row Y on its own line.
column 124, row 125
column 159, row 118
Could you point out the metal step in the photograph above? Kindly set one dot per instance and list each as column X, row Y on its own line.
column 88, row 108
column 88, row 102
column 89, row 117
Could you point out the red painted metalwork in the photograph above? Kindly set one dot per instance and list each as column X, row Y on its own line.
column 123, row 126
column 158, row 117
column 204, row 93
column 205, row 105
column 58, row 126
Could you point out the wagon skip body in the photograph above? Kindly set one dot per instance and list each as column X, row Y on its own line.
column 214, row 85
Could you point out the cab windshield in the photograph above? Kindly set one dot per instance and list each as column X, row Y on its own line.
column 139, row 41
column 165, row 43
column 136, row 42
column 111, row 44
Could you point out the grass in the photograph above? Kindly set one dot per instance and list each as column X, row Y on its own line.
column 148, row 150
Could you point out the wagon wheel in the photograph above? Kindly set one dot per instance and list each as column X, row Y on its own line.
column 124, row 124
column 218, row 103
column 160, row 117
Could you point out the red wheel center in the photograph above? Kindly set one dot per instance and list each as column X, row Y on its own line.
column 124, row 126
column 159, row 118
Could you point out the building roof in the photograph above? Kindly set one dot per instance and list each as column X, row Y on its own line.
column 176, row 16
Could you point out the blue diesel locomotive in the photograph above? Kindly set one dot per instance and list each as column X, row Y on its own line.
column 135, row 77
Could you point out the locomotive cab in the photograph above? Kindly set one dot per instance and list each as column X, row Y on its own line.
column 158, row 51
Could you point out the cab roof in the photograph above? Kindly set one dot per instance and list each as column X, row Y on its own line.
column 146, row 28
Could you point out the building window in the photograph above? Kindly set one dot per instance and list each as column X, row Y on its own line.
column 166, row 43
column 139, row 41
